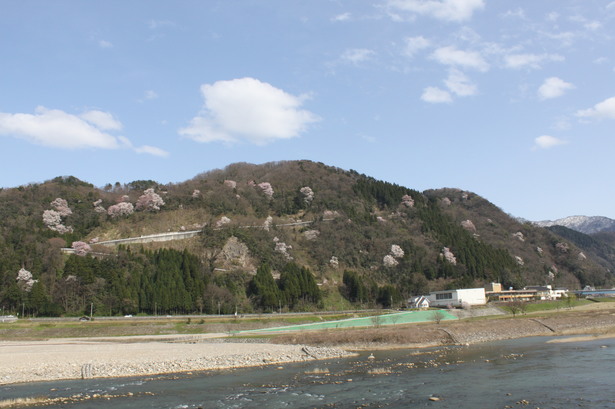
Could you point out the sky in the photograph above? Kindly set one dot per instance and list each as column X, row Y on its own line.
column 511, row 100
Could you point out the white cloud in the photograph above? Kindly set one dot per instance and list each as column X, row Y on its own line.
column 547, row 142
column 447, row 10
column 611, row 5
column 56, row 128
column 602, row 110
column 553, row 16
column 105, row 44
column 517, row 61
column 414, row 45
column 454, row 57
column 152, row 150
column 342, row 17
column 436, row 95
column 459, row 84
column 102, row 120
column 249, row 110
column 357, row 55
column 553, row 87
column 150, row 94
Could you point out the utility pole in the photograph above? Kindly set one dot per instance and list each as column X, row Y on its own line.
column 91, row 310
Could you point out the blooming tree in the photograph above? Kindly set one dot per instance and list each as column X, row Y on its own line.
column 308, row 194
column 407, row 201
column 396, row 251
column 389, row 261
column 539, row 250
column 120, row 209
column 267, row 189
column 230, row 183
column 98, row 208
column 283, row 248
column 562, row 247
column 582, row 256
column 53, row 218
column 311, row 234
column 268, row 223
column 81, row 248
column 519, row 260
column 223, row 220
column 149, row 200
column 446, row 201
column 519, row 236
column 61, row 207
column 196, row 193
column 468, row 225
column 334, row 262
column 24, row 280
column 448, row 255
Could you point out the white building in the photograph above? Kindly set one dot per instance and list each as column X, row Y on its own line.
column 457, row 298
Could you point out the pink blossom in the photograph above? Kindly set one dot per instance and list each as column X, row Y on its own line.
column 81, row 248
column 308, row 194
column 446, row 201
column 196, row 193
column 149, row 200
column 267, row 189
column 448, row 255
column 311, row 234
column 407, row 201
column 230, row 183
column 120, row 209
column 268, row 223
column 223, row 220
column 396, row 251
column 334, row 262
column 468, row 225
column 61, row 206
column 24, row 280
column 389, row 261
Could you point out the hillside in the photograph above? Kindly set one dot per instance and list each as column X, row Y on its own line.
column 291, row 235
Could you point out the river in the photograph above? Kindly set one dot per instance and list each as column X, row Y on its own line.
column 523, row 373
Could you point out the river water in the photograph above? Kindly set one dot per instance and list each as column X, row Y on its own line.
column 524, row 373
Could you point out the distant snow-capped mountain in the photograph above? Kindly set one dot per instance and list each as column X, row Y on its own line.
column 583, row 224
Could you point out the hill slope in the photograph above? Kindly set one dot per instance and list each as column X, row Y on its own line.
column 296, row 235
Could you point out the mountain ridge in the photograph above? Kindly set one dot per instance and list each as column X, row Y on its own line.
column 583, row 224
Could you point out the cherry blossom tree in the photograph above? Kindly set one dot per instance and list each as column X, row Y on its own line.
column 24, row 280
column 446, row 201
column 282, row 248
column 407, row 201
column 81, row 248
column 519, row 260
column 396, row 251
column 268, row 223
column 539, row 250
column 468, row 225
column 120, row 209
column 223, row 220
column 519, row 236
column 196, row 193
column 149, row 200
column 308, row 194
column 230, row 183
column 98, row 208
column 562, row 247
column 334, row 262
column 448, row 255
column 266, row 188
column 389, row 261
column 311, row 234
column 61, row 207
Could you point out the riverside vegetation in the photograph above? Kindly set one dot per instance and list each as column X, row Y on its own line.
column 284, row 236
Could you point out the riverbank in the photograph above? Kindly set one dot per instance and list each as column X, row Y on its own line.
column 35, row 361
column 96, row 357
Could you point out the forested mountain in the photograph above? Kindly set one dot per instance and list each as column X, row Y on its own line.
column 293, row 235
column 583, row 224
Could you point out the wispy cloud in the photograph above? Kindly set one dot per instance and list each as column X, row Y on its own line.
column 448, row 10
column 553, row 87
column 547, row 142
column 459, row 84
column 357, row 55
column 249, row 110
column 342, row 17
column 534, row 61
column 435, row 95
column 105, row 44
column 413, row 45
column 453, row 57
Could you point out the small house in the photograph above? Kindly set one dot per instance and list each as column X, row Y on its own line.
column 420, row 302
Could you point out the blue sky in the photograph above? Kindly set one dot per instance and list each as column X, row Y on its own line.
column 514, row 101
